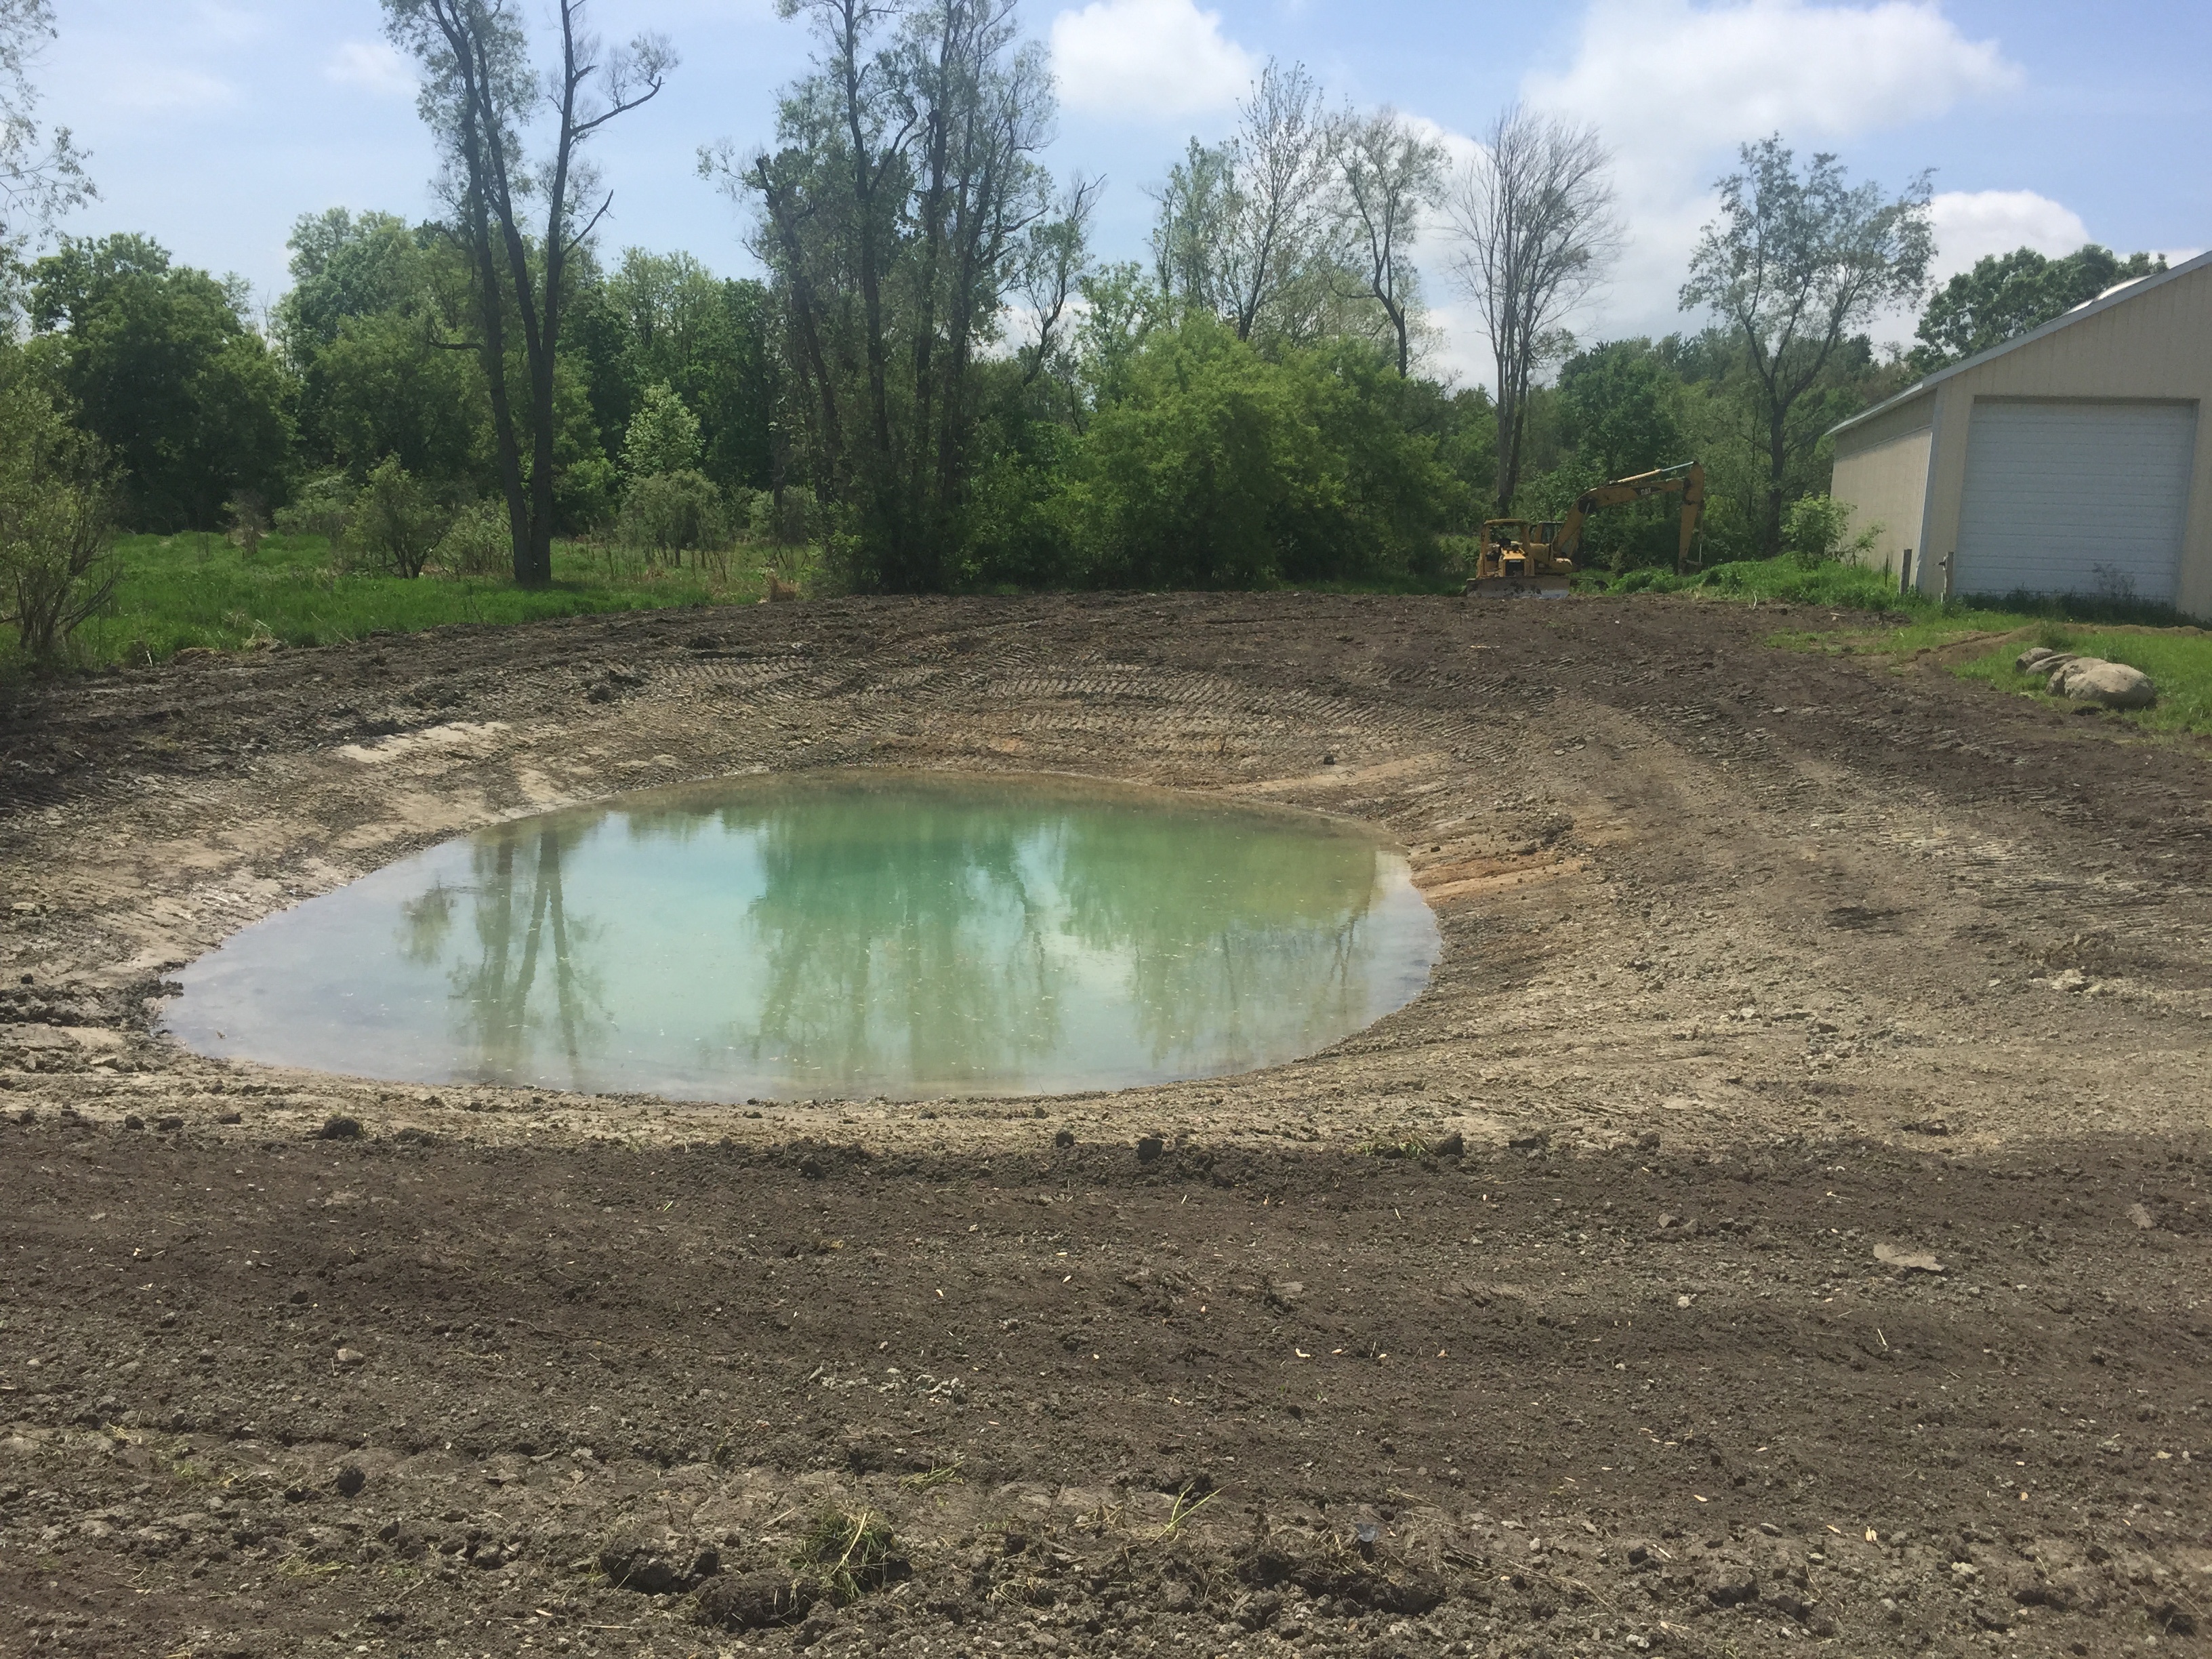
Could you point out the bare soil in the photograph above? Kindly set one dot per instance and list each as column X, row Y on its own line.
column 1781, row 1224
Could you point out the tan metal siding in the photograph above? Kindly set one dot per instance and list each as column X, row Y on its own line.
column 2156, row 346
column 1887, row 485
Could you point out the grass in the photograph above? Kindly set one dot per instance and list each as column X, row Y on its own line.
column 194, row 591
column 2179, row 662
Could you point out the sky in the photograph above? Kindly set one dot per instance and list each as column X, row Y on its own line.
column 213, row 125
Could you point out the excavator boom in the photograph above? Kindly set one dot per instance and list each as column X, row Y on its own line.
column 1520, row 556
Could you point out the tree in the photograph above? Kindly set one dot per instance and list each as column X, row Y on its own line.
column 40, row 179
column 55, row 526
column 1795, row 264
column 902, row 209
column 479, row 93
column 2004, row 296
column 1532, row 214
column 1245, row 230
column 164, row 371
column 1388, row 176
column 664, row 436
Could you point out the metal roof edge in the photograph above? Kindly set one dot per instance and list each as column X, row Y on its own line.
column 2116, row 296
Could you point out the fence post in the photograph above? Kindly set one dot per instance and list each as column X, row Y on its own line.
column 1904, row 574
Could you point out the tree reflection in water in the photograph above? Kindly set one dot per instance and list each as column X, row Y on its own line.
column 958, row 951
column 519, row 917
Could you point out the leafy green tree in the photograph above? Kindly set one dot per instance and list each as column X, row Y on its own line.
column 664, row 436
column 164, row 370
column 2006, row 295
column 664, row 319
column 1797, row 263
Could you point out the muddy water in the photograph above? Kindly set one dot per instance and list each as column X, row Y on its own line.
column 859, row 934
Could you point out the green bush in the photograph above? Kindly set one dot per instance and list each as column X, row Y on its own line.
column 396, row 520
column 479, row 542
column 672, row 513
column 56, row 531
column 1816, row 529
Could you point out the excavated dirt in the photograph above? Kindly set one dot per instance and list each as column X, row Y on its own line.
column 1781, row 1225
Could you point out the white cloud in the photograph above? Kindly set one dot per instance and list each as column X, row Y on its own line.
column 1672, row 84
column 1151, row 59
column 1676, row 87
column 1971, row 225
column 374, row 64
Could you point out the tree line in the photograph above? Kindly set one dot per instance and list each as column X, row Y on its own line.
column 935, row 384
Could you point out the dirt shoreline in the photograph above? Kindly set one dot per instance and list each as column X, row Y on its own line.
column 1560, row 1283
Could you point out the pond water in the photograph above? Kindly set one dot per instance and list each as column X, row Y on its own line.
column 848, row 934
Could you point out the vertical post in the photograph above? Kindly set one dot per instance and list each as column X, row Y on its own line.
column 1947, row 557
column 1904, row 573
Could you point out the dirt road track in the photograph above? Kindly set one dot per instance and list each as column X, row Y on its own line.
column 1758, row 962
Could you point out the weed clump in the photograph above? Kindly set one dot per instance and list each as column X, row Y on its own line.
column 848, row 1552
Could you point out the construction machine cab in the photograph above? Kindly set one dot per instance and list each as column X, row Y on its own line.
column 1538, row 555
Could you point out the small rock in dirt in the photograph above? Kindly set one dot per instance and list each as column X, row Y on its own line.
column 754, row 1600
column 350, row 1477
column 1452, row 1145
column 1063, row 1138
column 351, row 1356
column 340, row 1129
column 1914, row 1261
column 1531, row 1143
column 1929, row 1126
column 230, row 1117
column 1149, row 1147
column 134, row 1121
column 170, row 1122
column 2141, row 1215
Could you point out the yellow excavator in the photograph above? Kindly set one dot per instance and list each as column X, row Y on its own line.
column 1537, row 557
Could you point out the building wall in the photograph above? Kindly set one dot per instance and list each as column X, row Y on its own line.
column 1885, row 484
column 2158, row 344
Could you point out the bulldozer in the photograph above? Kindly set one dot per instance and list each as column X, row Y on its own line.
column 1537, row 555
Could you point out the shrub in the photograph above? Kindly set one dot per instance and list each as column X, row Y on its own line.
column 673, row 512
column 323, row 506
column 56, row 520
column 397, row 521
column 249, row 520
column 1815, row 528
column 480, row 542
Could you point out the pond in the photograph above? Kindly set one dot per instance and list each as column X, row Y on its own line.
column 849, row 935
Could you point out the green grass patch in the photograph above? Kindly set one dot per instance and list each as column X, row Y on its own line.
column 2178, row 661
column 198, row 591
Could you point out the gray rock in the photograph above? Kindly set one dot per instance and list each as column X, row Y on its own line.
column 2035, row 660
column 2106, row 684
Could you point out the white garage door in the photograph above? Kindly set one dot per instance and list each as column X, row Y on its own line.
column 2076, row 498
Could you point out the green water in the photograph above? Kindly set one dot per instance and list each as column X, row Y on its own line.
column 852, row 934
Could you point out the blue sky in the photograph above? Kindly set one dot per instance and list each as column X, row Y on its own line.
column 215, row 124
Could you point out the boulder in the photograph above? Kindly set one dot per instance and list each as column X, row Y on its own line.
column 2105, row 685
column 2036, row 659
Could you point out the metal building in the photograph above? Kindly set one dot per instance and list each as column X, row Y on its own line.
column 2075, row 459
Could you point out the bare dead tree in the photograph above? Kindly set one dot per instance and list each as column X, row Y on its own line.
column 1532, row 217
column 479, row 94
column 40, row 179
column 1282, row 149
column 1388, row 175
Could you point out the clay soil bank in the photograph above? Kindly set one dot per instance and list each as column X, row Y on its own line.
column 1779, row 1227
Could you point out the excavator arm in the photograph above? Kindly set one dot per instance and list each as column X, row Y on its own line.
column 1686, row 477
